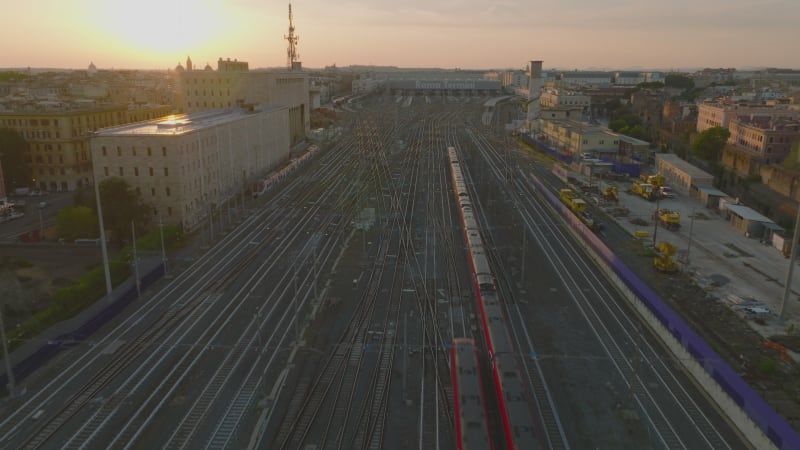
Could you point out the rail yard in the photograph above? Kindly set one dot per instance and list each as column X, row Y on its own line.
column 326, row 318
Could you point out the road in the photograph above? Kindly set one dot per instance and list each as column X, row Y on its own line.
column 324, row 317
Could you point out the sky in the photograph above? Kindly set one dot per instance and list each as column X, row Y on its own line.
column 466, row 34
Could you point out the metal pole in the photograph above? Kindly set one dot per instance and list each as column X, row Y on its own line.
column 11, row 383
column 656, row 219
column 103, row 245
column 163, row 249
column 787, row 286
column 689, row 247
column 135, row 261
column 41, row 224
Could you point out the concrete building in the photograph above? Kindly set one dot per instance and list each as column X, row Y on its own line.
column 565, row 98
column 719, row 114
column 189, row 165
column 682, row 175
column 57, row 133
column 233, row 83
column 579, row 139
column 766, row 137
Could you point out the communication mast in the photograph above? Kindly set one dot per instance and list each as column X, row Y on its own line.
column 291, row 52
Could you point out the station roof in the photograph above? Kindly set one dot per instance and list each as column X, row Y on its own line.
column 748, row 213
column 710, row 190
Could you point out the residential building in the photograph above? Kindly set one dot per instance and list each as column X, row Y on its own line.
column 564, row 98
column 233, row 83
column 719, row 114
column 186, row 166
column 57, row 133
column 580, row 139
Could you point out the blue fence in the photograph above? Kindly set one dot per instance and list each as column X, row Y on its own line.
column 530, row 140
column 74, row 337
column 760, row 412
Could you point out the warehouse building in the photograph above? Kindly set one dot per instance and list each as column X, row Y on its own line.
column 682, row 175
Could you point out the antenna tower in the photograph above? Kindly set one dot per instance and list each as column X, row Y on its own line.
column 291, row 52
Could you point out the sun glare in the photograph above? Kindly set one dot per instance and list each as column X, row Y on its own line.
column 162, row 26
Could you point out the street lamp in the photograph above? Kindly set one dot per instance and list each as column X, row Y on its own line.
column 41, row 222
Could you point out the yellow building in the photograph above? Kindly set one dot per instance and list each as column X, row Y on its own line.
column 57, row 134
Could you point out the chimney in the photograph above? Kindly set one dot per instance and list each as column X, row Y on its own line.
column 535, row 84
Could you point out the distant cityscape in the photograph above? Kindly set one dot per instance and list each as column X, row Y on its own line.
column 81, row 126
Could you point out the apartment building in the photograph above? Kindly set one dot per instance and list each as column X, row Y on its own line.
column 57, row 133
column 189, row 165
column 719, row 114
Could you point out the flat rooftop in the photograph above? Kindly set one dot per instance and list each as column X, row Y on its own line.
column 682, row 165
column 181, row 124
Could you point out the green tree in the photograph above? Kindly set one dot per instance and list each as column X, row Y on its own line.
column 709, row 144
column 122, row 205
column 679, row 81
column 617, row 124
column 75, row 223
column 12, row 155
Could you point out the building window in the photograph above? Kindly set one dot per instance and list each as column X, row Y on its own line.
column 166, row 171
column 121, row 172
column 169, row 211
column 105, row 170
column 136, row 171
column 151, row 171
column 149, row 151
column 138, row 191
column 119, row 151
column 104, row 151
column 133, row 151
column 163, row 151
column 153, row 192
column 167, row 191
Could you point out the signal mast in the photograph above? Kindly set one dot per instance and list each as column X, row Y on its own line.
column 291, row 52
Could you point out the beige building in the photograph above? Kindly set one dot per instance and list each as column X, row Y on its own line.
column 579, row 139
column 682, row 175
column 189, row 165
column 233, row 83
column 564, row 98
column 57, row 134
column 720, row 114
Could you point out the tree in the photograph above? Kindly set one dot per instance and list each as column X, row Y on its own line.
column 709, row 144
column 122, row 205
column 75, row 223
column 679, row 81
column 12, row 155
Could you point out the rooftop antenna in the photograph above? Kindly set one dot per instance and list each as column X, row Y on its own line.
column 291, row 52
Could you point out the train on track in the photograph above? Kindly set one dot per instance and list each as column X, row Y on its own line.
column 472, row 426
column 514, row 401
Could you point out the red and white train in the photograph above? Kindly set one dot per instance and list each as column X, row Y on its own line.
column 472, row 426
column 514, row 400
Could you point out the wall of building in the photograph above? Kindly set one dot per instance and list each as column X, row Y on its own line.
column 186, row 174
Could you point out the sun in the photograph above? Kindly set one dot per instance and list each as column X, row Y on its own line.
column 162, row 26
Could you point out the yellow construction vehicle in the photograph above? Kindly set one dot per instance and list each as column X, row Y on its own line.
column 578, row 207
column 644, row 190
column 610, row 194
column 668, row 218
column 656, row 180
column 663, row 260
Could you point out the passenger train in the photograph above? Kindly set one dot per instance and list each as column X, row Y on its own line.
column 472, row 426
column 514, row 402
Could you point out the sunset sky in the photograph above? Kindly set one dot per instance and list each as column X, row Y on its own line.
column 469, row 34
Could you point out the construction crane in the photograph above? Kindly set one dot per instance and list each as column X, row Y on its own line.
column 291, row 52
